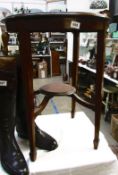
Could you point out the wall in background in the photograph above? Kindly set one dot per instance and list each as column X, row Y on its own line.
column 11, row 4
column 79, row 5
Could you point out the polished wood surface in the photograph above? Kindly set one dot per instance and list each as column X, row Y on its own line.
column 24, row 24
column 55, row 22
column 56, row 70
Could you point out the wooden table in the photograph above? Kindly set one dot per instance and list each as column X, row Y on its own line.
column 24, row 24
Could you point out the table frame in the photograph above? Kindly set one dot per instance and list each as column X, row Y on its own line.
column 74, row 22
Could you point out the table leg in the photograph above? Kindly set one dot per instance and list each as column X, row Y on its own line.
column 99, row 83
column 27, row 73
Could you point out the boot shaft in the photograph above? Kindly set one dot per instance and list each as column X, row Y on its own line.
column 12, row 159
column 7, row 94
column 21, row 106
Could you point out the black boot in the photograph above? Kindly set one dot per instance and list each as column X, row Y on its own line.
column 43, row 140
column 12, row 159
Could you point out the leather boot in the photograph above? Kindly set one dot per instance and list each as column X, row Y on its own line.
column 43, row 140
column 12, row 159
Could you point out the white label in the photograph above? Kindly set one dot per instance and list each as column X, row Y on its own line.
column 3, row 83
column 43, row 74
column 75, row 25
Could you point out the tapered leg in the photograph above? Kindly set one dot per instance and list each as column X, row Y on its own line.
column 27, row 73
column 25, row 109
column 75, row 67
column 99, row 83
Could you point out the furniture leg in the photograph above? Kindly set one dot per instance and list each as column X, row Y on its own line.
column 99, row 83
column 27, row 73
column 75, row 67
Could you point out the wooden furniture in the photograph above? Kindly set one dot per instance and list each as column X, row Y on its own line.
column 93, row 71
column 110, row 90
column 110, row 102
column 23, row 24
column 55, row 63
